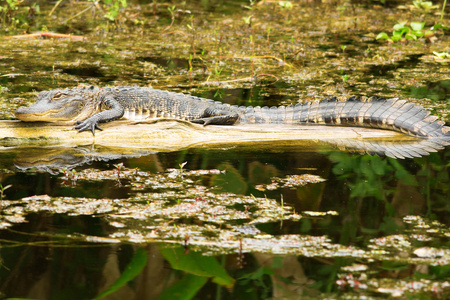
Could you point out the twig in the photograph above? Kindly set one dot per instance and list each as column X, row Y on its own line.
column 81, row 12
column 48, row 35
column 260, row 57
column 171, row 23
column 443, row 9
column 54, row 7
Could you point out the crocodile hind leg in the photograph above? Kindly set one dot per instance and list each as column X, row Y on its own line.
column 217, row 117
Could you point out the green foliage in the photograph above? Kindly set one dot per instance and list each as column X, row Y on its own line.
column 10, row 6
column 13, row 15
column 231, row 181
column 184, row 289
column 197, row 264
column 367, row 174
column 285, row 4
column 424, row 6
column 442, row 55
column 403, row 32
column 344, row 78
column 134, row 268
column 440, row 27
column 113, row 7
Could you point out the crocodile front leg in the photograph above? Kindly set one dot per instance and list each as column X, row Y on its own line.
column 114, row 112
column 213, row 116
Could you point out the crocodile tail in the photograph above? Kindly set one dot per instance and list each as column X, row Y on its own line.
column 392, row 114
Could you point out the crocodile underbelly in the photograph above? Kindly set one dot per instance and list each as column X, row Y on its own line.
column 145, row 114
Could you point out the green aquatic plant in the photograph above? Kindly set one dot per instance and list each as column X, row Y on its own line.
column 344, row 78
column 443, row 9
column 2, row 190
column 424, row 6
column 13, row 15
column 441, row 55
column 70, row 175
column 9, row 9
column 133, row 269
column 113, row 8
column 182, row 166
column 285, row 4
column 119, row 168
column 403, row 32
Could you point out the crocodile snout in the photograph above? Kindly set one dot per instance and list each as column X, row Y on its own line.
column 21, row 110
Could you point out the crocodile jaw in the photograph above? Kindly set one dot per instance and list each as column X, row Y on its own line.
column 26, row 114
column 56, row 106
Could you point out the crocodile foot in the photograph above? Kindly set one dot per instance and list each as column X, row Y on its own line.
column 87, row 125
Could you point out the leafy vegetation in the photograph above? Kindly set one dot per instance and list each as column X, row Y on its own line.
column 403, row 32
column 14, row 15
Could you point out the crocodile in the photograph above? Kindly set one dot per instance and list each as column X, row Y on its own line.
column 89, row 106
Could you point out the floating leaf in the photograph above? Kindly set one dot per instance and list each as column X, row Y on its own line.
column 402, row 31
column 382, row 35
column 400, row 25
column 440, row 26
column 417, row 26
column 417, row 33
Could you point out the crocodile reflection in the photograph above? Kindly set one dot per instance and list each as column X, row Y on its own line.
column 55, row 159
column 408, row 148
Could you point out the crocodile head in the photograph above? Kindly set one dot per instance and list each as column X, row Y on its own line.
column 60, row 105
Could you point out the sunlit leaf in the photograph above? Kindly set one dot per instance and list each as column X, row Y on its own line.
column 417, row 33
column 440, row 26
column 382, row 35
column 410, row 36
column 441, row 55
column 134, row 268
column 399, row 25
column 417, row 26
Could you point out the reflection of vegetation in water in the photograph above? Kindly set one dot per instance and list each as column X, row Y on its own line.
column 229, row 181
column 386, row 189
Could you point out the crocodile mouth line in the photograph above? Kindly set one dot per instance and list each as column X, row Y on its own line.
column 37, row 116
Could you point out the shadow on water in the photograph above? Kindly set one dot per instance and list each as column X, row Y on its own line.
column 411, row 61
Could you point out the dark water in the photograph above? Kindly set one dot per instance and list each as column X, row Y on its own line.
column 150, row 227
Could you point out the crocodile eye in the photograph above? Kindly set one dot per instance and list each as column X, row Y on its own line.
column 57, row 96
